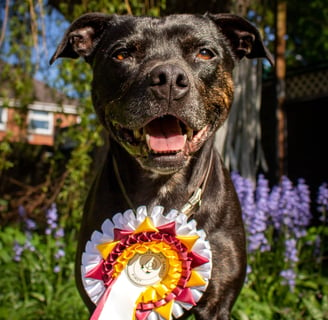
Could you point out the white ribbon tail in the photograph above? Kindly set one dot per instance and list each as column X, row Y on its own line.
column 119, row 300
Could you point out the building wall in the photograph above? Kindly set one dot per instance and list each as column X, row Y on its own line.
column 40, row 125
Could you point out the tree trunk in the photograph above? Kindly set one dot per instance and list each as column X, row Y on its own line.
column 281, row 20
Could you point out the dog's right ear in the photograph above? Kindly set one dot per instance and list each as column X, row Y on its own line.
column 82, row 37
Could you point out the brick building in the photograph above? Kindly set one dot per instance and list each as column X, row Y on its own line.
column 48, row 111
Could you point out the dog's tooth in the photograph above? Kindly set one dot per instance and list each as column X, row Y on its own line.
column 137, row 134
column 190, row 134
column 148, row 140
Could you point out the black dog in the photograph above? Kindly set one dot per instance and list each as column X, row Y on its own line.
column 161, row 88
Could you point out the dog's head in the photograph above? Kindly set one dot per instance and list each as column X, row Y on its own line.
column 162, row 86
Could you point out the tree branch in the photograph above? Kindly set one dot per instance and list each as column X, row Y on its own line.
column 4, row 25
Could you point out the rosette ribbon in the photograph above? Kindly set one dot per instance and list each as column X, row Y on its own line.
column 146, row 266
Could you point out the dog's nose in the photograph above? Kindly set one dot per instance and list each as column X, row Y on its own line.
column 169, row 82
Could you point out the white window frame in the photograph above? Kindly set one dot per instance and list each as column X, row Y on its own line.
column 4, row 118
column 47, row 116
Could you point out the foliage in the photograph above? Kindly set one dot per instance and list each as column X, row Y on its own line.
column 135, row 7
column 37, row 271
column 307, row 28
column 286, row 276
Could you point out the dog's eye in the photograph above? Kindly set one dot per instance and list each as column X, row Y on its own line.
column 205, row 54
column 121, row 55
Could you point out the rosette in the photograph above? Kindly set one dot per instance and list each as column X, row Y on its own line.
column 146, row 265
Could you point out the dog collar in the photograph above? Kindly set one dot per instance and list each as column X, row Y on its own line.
column 193, row 201
column 146, row 265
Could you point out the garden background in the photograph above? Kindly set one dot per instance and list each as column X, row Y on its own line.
column 42, row 188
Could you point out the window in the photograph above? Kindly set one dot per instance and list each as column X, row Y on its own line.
column 40, row 122
column 3, row 118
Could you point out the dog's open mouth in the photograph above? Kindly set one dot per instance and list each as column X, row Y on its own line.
column 166, row 135
column 163, row 136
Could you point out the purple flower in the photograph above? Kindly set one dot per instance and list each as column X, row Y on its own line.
column 248, row 271
column 59, row 254
column 304, row 216
column 291, row 253
column 30, row 224
column 290, row 207
column 56, row 269
column 289, row 277
column 29, row 246
column 21, row 212
column 238, row 182
column 262, row 194
column 18, row 249
column 273, row 206
column 59, row 233
column 322, row 199
column 287, row 203
column 52, row 219
column 52, row 215
column 254, row 213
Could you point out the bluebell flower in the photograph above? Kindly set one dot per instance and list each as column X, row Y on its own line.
column 29, row 246
column 322, row 200
column 248, row 272
column 59, row 254
column 286, row 208
column 303, row 201
column 53, row 229
column 273, row 207
column 254, row 214
column 57, row 269
column 30, row 224
column 52, row 214
column 59, row 233
column 262, row 194
column 289, row 278
column 18, row 249
column 287, row 204
column 291, row 252
column 52, row 219
column 290, row 207
column 238, row 182
column 21, row 212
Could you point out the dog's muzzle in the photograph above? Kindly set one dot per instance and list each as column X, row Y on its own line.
column 165, row 142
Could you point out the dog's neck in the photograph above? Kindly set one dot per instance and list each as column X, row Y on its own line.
column 142, row 187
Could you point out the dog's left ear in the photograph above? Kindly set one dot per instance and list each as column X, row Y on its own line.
column 245, row 39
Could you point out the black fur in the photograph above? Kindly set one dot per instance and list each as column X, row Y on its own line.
column 173, row 73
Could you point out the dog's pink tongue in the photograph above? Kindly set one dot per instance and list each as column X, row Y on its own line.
column 165, row 135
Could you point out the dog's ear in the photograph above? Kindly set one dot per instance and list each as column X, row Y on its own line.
column 82, row 37
column 245, row 39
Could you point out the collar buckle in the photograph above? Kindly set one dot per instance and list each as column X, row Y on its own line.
column 192, row 202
